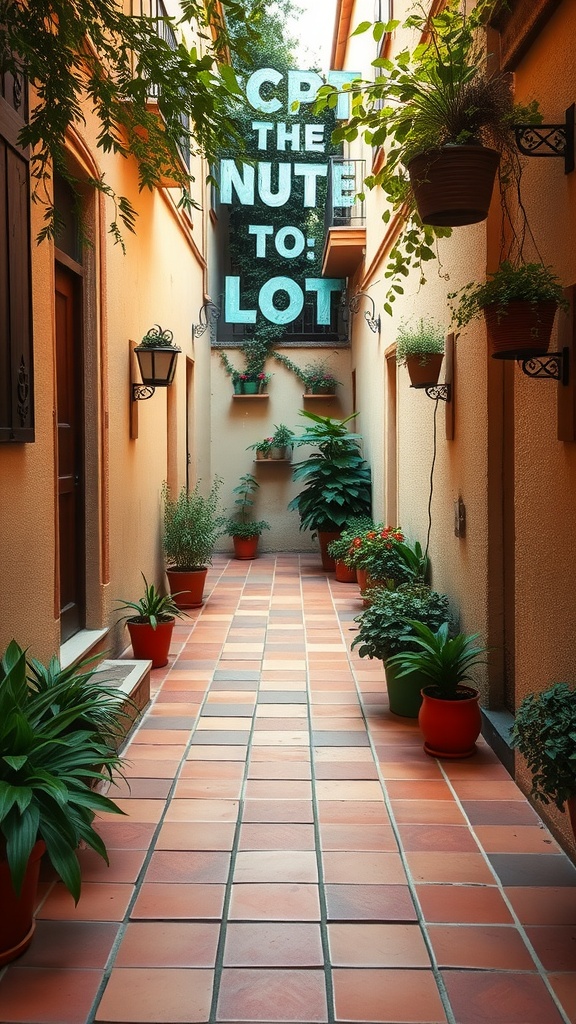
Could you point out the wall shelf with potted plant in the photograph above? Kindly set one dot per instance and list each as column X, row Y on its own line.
column 317, row 377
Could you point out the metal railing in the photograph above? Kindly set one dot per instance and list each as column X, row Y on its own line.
column 345, row 182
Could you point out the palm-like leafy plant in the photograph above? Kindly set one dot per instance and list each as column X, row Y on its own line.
column 443, row 660
column 48, row 765
column 153, row 607
column 336, row 477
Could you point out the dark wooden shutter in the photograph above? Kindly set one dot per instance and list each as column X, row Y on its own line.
column 16, row 354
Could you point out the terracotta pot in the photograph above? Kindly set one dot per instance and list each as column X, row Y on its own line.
column 405, row 694
column 523, row 331
column 344, row 574
column 188, row 585
column 277, row 453
column 450, row 727
column 453, row 185
column 423, row 376
column 151, row 644
column 17, row 917
column 325, row 537
column 246, row 547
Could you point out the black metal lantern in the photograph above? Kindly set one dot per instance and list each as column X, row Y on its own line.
column 156, row 361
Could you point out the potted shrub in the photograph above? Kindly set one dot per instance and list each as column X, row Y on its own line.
column 384, row 632
column 262, row 448
column 252, row 380
column 245, row 532
column 519, row 304
column 192, row 524
column 152, row 626
column 449, row 718
column 544, row 732
column 338, row 550
column 50, row 747
column 383, row 558
column 336, row 480
column 444, row 115
column 281, row 440
column 420, row 349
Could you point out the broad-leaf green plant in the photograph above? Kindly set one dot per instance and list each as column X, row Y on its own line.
column 153, row 607
column 336, row 478
column 239, row 524
column 48, row 759
column 444, row 660
column 544, row 732
column 383, row 627
column 192, row 523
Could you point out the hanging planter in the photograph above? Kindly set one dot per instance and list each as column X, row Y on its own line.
column 424, row 371
column 521, row 330
column 453, row 185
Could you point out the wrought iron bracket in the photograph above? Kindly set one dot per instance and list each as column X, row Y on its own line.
column 552, row 366
column 439, row 392
column 140, row 392
column 208, row 315
column 549, row 139
column 370, row 317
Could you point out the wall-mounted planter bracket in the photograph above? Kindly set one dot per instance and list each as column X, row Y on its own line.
column 549, row 139
column 552, row 366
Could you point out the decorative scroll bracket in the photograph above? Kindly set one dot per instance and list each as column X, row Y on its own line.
column 552, row 366
column 439, row 392
column 371, row 319
column 140, row 392
column 208, row 315
column 549, row 139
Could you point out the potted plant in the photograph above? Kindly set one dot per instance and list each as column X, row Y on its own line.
column 253, row 379
column 519, row 304
column 339, row 549
column 281, row 440
column 192, row 524
column 544, row 732
column 316, row 376
column 384, row 632
column 383, row 558
column 152, row 626
column 444, row 116
column 336, row 480
column 50, row 749
column 244, row 531
column 420, row 349
column 449, row 718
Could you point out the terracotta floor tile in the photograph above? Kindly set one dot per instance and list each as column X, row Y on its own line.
column 121, row 834
column 499, row 998
column 264, row 995
column 187, row 866
column 278, row 810
column 205, row 789
column 202, row 810
column 275, row 866
column 276, row 836
column 278, row 789
column 347, row 770
column 196, row 835
column 278, row 770
column 69, row 944
column 485, row 947
column 436, row 838
column 142, row 788
column 99, row 901
column 409, row 770
column 124, row 866
column 463, row 904
column 418, row 789
column 564, row 986
column 361, row 789
column 274, row 902
column 270, row 944
column 159, row 996
column 555, row 946
column 347, row 812
column 204, row 752
column 330, row 754
column 168, row 944
column 543, row 905
column 498, row 812
column 395, row 995
column 377, row 945
column 363, row 868
column 536, row 869
column 450, row 868
column 516, row 839
column 47, row 996
column 427, row 812
column 170, row 901
column 369, row 903
column 479, row 790
column 357, row 837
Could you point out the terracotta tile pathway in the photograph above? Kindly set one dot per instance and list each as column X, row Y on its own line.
column 290, row 853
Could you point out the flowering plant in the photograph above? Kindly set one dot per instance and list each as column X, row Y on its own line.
column 386, row 556
column 262, row 447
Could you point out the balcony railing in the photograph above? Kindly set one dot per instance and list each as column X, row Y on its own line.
column 156, row 10
column 345, row 182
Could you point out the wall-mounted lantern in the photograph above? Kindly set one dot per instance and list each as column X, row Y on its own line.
column 156, row 357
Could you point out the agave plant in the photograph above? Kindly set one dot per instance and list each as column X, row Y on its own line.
column 51, row 757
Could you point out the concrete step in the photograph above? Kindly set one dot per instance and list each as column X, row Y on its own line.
column 132, row 678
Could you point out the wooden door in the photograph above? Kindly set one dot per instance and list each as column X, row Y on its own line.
column 70, row 452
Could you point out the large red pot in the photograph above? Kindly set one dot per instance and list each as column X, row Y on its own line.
column 524, row 330
column 151, row 644
column 17, row 912
column 187, row 586
column 453, row 185
column 450, row 727
column 246, row 547
column 325, row 537
column 343, row 573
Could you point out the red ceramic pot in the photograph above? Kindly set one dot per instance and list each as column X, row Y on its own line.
column 325, row 537
column 151, row 644
column 246, row 547
column 187, row 586
column 344, row 574
column 17, row 912
column 450, row 727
